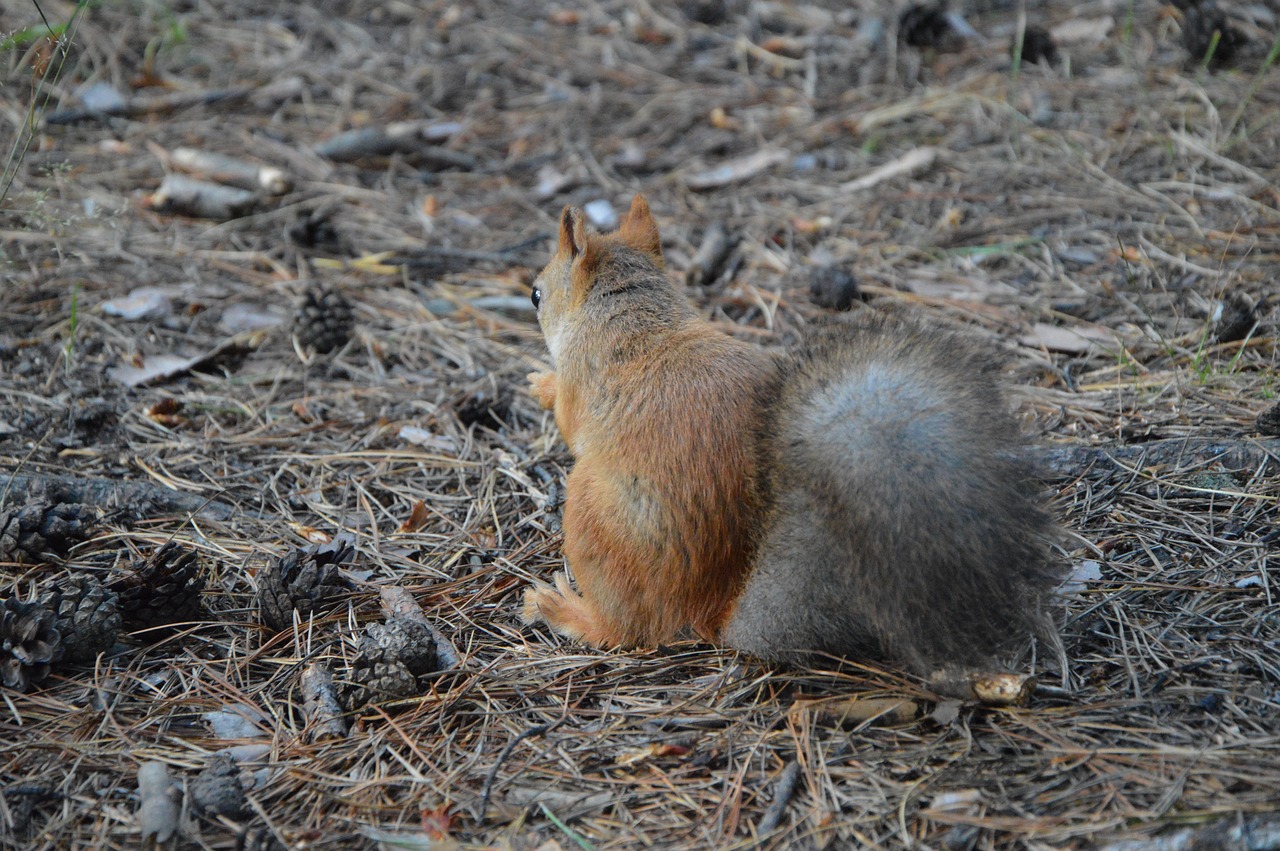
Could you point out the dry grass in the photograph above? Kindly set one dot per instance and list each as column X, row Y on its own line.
column 1121, row 199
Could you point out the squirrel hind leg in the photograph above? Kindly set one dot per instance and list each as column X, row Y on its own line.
column 568, row 613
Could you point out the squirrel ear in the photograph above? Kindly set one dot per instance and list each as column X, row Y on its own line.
column 573, row 232
column 640, row 231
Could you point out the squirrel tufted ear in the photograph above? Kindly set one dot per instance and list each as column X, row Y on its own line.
column 573, row 232
column 640, row 231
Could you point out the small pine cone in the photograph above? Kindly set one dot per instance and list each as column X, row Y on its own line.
column 926, row 25
column 304, row 579
column 86, row 614
column 833, row 288
column 162, row 589
column 390, row 661
column 29, row 643
column 217, row 791
column 1268, row 421
column 44, row 531
column 324, row 320
column 1208, row 35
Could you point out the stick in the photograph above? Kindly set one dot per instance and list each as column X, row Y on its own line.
column 1239, row 454
column 909, row 165
column 132, row 500
column 782, row 792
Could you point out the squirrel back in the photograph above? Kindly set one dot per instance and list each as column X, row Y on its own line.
column 903, row 519
column 865, row 494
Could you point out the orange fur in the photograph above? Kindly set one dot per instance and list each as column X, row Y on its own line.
column 658, row 408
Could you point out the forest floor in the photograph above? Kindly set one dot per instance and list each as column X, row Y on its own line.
column 1105, row 219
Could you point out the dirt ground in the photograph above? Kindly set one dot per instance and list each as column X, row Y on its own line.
column 1106, row 219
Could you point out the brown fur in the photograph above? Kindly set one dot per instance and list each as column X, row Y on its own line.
column 861, row 495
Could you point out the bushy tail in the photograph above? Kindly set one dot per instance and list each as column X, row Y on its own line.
column 905, row 518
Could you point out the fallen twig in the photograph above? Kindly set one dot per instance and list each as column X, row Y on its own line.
column 1242, row 454
column 782, row 792
column 129, row 500
column 908, row 165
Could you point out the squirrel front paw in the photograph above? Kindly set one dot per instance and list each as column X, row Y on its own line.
column 543, row 387
column 565, row 611
column 544, row 603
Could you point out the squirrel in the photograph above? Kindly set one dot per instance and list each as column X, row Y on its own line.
column 863, row 494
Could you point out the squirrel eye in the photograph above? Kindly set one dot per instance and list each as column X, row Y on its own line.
column 536, row 296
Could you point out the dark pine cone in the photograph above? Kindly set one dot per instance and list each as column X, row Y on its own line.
column 304, row 579
column 833, row 288
column 926, row 25
column 44, row 531
column 162, row 589
column 1200, row 23
column 390, row 661
column 324, row 320
column 1037, row 46
column 216, row 790
column 86, row 614
column 29, row 643
column 1269, row 421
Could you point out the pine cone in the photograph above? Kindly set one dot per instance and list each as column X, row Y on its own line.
column 926, row 25
column 1268, row 421
column 1204, row 24
column 304, row 579
column 390, row 660
column 43, row 531
column 833, row 288
column 86, row 615
column 324, row 321
column 29, row 643
column 216, row 790
column 162, row 589
column 1038, row 46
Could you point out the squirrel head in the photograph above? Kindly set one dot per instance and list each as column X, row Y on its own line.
column 583, row 259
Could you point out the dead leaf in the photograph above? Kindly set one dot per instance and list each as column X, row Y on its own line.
column 436, row 822
column 631, row 756
column 163, row 367
column 418, row 517
column 165, row 412
column 311, row 534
